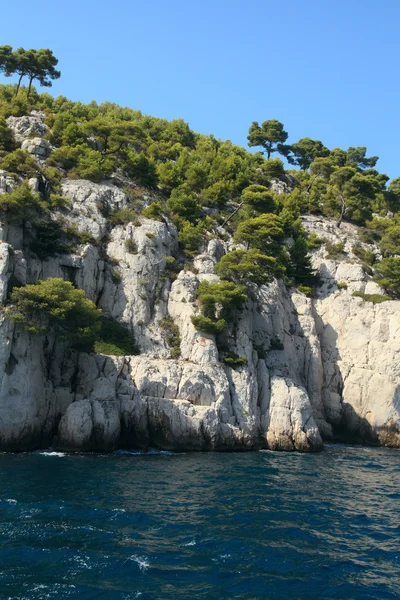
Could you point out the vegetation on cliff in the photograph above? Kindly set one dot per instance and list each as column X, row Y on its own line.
column 206, row 186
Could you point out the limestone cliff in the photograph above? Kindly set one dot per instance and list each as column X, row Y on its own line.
column 316, row 369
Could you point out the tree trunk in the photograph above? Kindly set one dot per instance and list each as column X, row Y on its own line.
column 231, row 215
column 30, row 85
column 311, row 183
column 343, row 211
column 19, row 84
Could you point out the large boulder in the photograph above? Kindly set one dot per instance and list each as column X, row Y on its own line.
column 28, row 126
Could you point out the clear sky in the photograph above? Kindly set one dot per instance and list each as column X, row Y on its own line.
column 328, row 69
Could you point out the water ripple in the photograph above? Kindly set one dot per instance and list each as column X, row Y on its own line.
column 207, row 526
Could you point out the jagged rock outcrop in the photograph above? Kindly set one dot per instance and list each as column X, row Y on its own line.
column 39, row 147
column 28, row 126
column 315, row 370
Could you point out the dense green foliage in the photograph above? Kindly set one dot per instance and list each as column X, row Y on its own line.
column 20, row 204
column 55, row 305
column 270, row 136
column 304, row 152
column 264, row 232
column 19, row 162
column 200, row 183
column 218, row 303
column 6, row 136
column 388, row 275
column 248, row 266
column 233, row 360
column 34, row 64
column 114, row 339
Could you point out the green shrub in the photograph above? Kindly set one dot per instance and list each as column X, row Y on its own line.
column 114, row 339
column 55, row 201
column 258, row 199
column 184, row 204
column 91, row 165
column 153, row 211
column 48, row 240
column 299, row 266
column 141, row 169
column 388, row 275
column 53, row 177
column 172, row 335
column 20, row 204
column 244, row 266
column 19, row 162
column 122, row 217
column 314, row 241
column 220, row 300
column 76, row 236
column 131, row 246
column 55, row 305
column 170, row 260
column 264, row 232
column 6, row 136
column 272, row 168
column 369, row 236
column 233, row 360
column 209, row 325
column 365, row 255
column 65, row 157
column 190, row 237
column 276, row 344
column 334, row 250
column 390, row 242
column 342, row 285
column 307, row 290
column 374, row 298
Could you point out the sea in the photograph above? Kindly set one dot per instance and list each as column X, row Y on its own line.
column 162, row 525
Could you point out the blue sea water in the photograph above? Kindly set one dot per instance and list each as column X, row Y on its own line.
column 201, row 526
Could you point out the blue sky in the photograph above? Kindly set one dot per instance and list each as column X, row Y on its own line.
column 328, row 69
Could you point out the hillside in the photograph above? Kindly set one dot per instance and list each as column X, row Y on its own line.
column 228, row 303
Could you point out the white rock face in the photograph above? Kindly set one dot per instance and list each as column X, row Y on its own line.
column 28, row 126
column 89, row 202
column 314, row 369
column 291, row 423
column 360, row 345
column 39, row 147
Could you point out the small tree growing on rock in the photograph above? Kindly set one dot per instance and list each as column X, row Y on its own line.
column 55, row 305
column 218, row 302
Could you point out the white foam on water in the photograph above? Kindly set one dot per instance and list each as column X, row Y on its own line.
column 82, row 561
column 52, row 453
column 191, row 543
column 142, row 562
column 11, row 501
column 149, row 452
